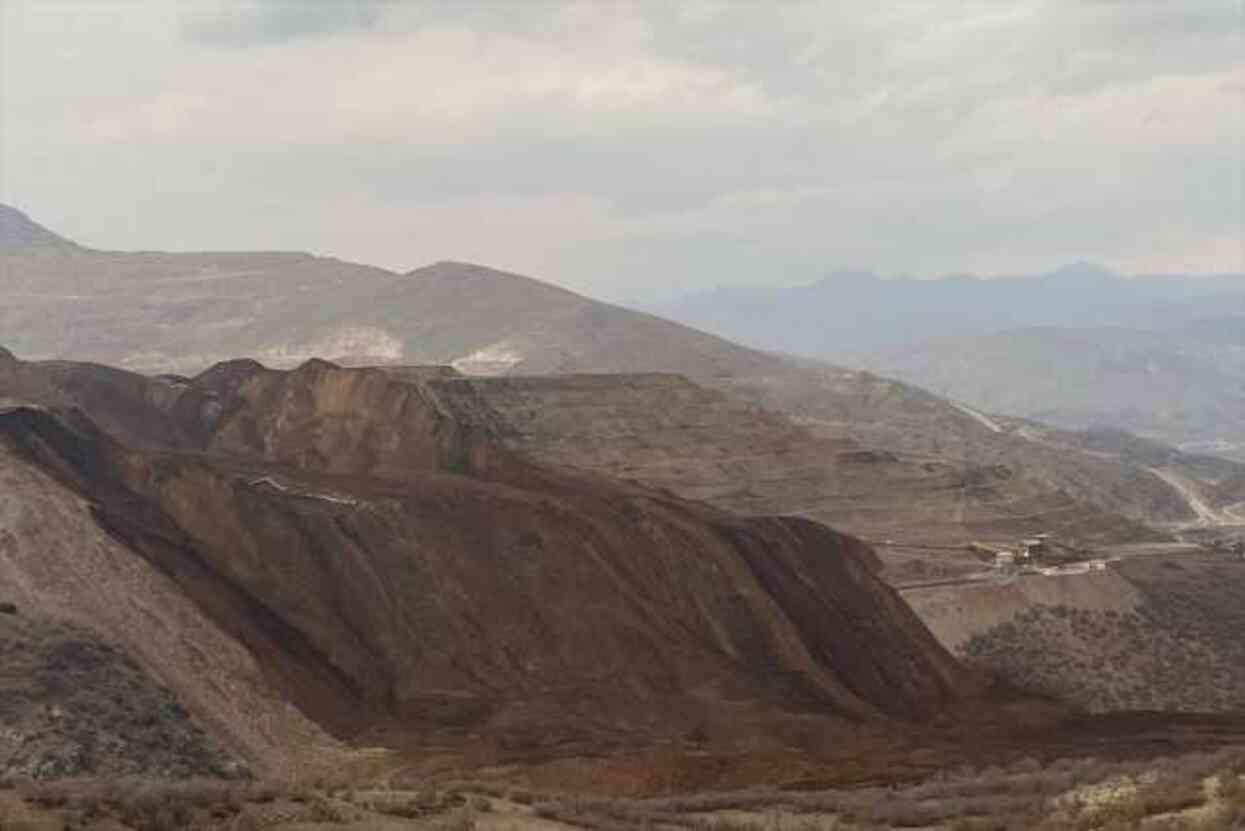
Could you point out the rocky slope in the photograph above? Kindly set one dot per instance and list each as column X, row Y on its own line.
column 74, row 705
column 404, row 578
column 60, row 566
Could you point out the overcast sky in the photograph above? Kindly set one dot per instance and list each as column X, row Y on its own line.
column 638, row 149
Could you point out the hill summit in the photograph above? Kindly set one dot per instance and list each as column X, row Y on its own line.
column 19, row 232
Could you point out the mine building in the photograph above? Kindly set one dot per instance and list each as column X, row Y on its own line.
column 1033, row 548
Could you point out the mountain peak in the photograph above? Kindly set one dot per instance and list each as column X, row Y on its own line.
column 457, row 272
column 18, row 232
column 1082, row 270
column 849, row 277
column 461, row 268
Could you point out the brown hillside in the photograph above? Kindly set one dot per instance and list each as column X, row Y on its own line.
column 710, row 444
column 401, row 576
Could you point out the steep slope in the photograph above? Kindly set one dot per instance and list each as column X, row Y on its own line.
column 66, row 572
column 19, row 232
column 165, row 312
column 58, row 565
column 405, row 579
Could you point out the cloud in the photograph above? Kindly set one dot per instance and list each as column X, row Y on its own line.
column 261, row 22
column 619, row 146
column 430, row 75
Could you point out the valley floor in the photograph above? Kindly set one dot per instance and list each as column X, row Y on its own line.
column 1199, row 792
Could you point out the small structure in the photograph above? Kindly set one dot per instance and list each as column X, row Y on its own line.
column 1004, row 559
column 1033, row 548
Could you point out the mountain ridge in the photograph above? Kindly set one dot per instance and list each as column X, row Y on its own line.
column 182, row 313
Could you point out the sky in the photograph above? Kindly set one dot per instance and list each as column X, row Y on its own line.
column 637, row 150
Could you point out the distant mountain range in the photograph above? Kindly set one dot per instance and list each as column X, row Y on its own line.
column 850, row 312
column 1078, row 347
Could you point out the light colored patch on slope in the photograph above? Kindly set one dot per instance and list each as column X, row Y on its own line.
column 1206, row 515
column 8, row 405
column 348, row 343
column 494, row 359
column 989, row 423
column 345, row 341
column 154, row 362
column 268, row 481
column 56, row 561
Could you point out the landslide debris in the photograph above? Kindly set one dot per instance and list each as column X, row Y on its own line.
column 403, row 578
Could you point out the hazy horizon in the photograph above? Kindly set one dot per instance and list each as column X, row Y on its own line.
column 637, row 150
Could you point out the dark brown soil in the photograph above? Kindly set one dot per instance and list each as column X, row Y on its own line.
column 407, row 581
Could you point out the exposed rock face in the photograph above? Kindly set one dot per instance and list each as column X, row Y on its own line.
column 322, row 418
column 59, row 565
column 401, row 575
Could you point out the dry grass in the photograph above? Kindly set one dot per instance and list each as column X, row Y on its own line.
column 1197, row 792
column 1179, row 650
column 1076, row 794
